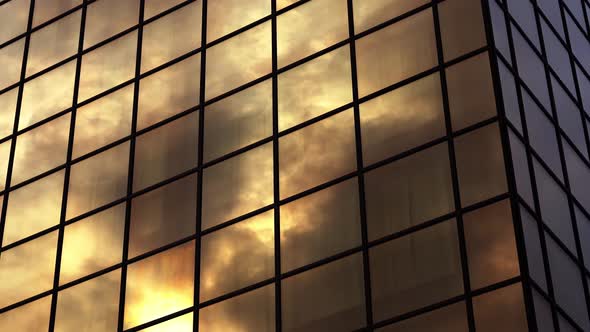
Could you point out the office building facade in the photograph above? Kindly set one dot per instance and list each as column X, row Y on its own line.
column 294, row 165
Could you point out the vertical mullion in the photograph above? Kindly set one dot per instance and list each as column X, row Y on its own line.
column 125, row 253
column 68, row 167
column 201, row 135
column 453, row 166
column 276, row 179
column 360, row 167
column 510, row 173
column 16, row 120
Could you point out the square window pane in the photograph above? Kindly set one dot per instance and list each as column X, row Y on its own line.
column 171, row 36
column 108, row 66
column 500, row 310
column 320, row 225
column 253, row 311
column 46, row 10
column 225, row 16
column 92, row 306
column 120, row 15
column 471, row 91
column 103, row 121
column 7, row 112
column 160, row 285
column 316, row 154
column 47, row 95
column 491, row 247
column 27, row 269
column 328, row 298
column 163, row 216
column 368, row 13
column 461, row 27
column 237, row 186
column 92, row 244
column 450, row 318
column 98, row 180
column 13, row 19
column 11, row 59
column 237, row 256
column 408, row 192
column 41, row 149
column 309, row 28
column 402, row 119
column 416, row 270
column 392, row 54
column 238, row 120
column 238, row 60
column 155, row 7
column 480, row 165
column 166, row 151
column 168, row 92
column 33, row 208
column 314, row 88
column 32, row 316
column 54, row 43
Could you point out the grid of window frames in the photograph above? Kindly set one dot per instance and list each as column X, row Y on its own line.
column 543, row 63
column 259, row 165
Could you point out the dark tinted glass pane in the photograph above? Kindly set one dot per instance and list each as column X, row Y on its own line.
column 163, row 216
column 20, row 279
column 330, row 297
column 314, row 88
column 409, row 191
column 237, row 256
column 392, row 54
column 92, row 306
column 491, row 247
column 98, row 180
column 471, row 91
column 253, row 311
column 41, row 149
column 317, row 153
column 461, row 25
column 309, row 28
column 452, row 318
column 160, row 285
column 33, row 208
column 120, row 15
column 320, row 225
column 416, row 270
column 166, row 151
column 500, row 310
column 30, row 317
column 237, row 186
column 238, row 120
column 238, row 60
column 480, row 164
column 92, row 244
column 171, row 36
column 402, row 119
column 54, row 43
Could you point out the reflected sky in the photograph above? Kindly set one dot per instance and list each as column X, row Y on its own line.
column 312, row 228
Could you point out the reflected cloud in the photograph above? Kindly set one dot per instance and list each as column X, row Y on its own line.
column 312, row 228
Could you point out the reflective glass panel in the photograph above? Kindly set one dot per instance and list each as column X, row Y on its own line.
column 237, row 186
column 237, row 256
column 317, row 153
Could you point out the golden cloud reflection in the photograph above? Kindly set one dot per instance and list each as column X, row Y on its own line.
column 160, row 285
column 312, row 228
